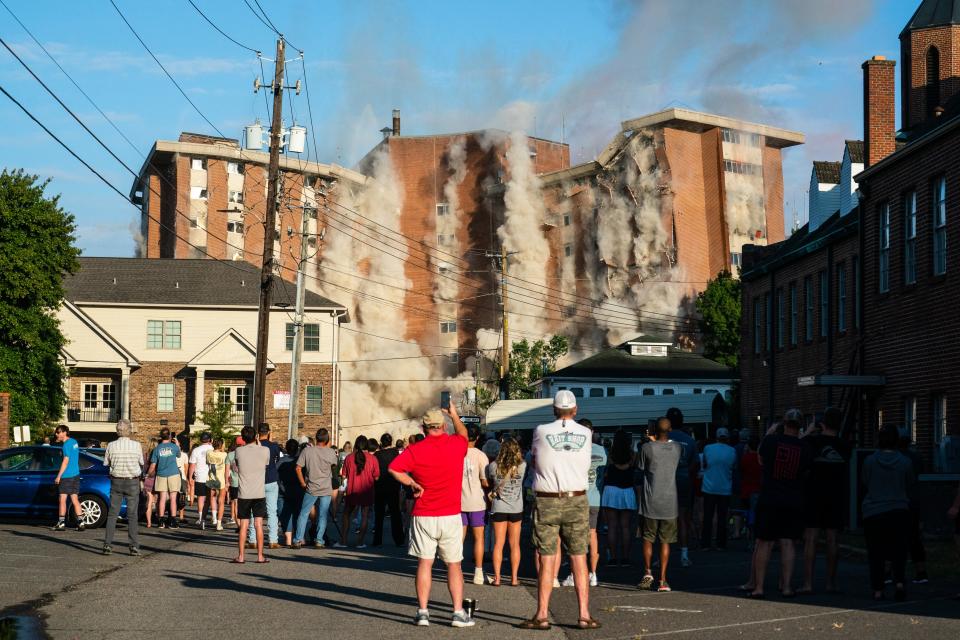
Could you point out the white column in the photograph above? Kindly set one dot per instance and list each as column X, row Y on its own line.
column 198, row 405
column 125, row 392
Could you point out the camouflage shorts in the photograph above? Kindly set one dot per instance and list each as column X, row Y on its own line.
column 566, row 518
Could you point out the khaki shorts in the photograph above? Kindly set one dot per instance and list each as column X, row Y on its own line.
column 566, row 518
column 666, row 530
column 167, row 484
column 429, row 534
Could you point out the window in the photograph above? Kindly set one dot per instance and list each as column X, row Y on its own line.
column 444, row 268
column 566, row 219
column 235, row 197
column 568, row 250
column 910, row 417
column 443, row 208
column 808, row 315
column 794, row 314
column 933, row 80
column 235, row 226
column 448, row 327
column 757, row 327
column 733, row 137
column 445, row 239
column 697, row 391
column 198, row 163
column 314, row 400
column 856, row 291
column 163, row 334
column 99, row 395
column 611, row 391
column 310, row 211
column 649, row 392
column 454, row 357
column 311, row 336
column 939, row 417
column 198, row 193
column 596, row 393
column 910, row 238
column 735, row 259
column 235, row 168
column 754, row 140
column 667, row 392
column 768, row 321
column 824, row 305
column 841, row 298
column 781, row 313
column 742, row 168
column 165, row 396
column 883, row 267
column 577, row 392
column 940, row 227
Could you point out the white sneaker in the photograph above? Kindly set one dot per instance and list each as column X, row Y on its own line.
column 422, row 618
column 593, row 579
column 478, row 576
column 219, row 526
column 361, row 546
column 556, row 583
column 569, row 581
column 461, row 619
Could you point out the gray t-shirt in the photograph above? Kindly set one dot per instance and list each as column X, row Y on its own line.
column 316, row 462
column 508, row 491
column 658, row 463
column 251, row 461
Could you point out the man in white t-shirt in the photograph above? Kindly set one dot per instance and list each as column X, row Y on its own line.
column 561, row 471
column 198, row 471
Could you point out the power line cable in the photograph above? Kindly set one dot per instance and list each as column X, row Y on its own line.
column 221, row 31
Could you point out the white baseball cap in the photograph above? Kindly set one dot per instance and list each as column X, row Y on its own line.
column 565, row 400
column 723, row 433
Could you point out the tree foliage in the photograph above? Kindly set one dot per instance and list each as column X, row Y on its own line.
column 37, row 250
column 719, row 307
column 527, row 360
column 217, row 417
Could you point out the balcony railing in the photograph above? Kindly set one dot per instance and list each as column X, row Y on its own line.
column 241, row 418
column 91, row 411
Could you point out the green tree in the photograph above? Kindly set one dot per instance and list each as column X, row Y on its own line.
column 527, row 360
column 37, row 251
column 719, row 308
column 217, row 417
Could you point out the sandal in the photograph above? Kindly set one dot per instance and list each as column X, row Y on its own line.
column 588, row 623
column 535, row 624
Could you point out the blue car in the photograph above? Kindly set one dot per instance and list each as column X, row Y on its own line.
column 27, row 487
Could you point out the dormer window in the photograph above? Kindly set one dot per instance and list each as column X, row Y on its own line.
column 649, row 350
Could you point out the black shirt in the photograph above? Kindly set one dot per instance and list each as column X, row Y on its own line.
column 786, row 462
column 830, row 455
column 386, row 479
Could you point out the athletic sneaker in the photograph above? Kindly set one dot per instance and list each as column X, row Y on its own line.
column 556, row 583
column 134, row 551
column 107, row 550
column 339, row 545
column 461, row 619
column 593, row 579
column 81, row 526
column 646, row 583
column 219, row 526
column 174, row 523
column 663, row 588
column 361, row 546
column 60, row 526
column 921, row 578
column 422, row 619
column 163, row 523
column 478, row 576
column 568, row 582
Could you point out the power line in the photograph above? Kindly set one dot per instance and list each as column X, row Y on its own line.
column 221, row 31
column 271, row 25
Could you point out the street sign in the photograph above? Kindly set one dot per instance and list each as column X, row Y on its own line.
column 21, row 434
column 470, row 419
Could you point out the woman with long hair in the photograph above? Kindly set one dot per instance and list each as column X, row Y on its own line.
column 505, row 475
column 148, row 484
column 361, row 470
column 619, row 500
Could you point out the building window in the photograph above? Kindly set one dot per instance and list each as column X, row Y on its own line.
column 910, row 238
column 667, row 391
column 808, row 315
column 742, row 168
column 568, row 250
column 736, row 259
column 697, row 391
column 311, row 336
column 856, row 292
column 444, row 268
column 448, row 326
column 754, row 139
column 768, row 320
column 314, row 400
column 647, row 391
column 199, row 164
column 596, row 393
column 841, row 298
column 883, row 267
column 577, row 392
column 445, row 239
column 933, row 80
column 733, row 137
column 235, row 226
column 198, row 193
column 824, row 305
column 910, row 417
column 940, row 227
column 443, row 208
column 237, row 169
column 781, row 318
column 165, row 396
column 98, row 395
column 566, row 219
column 163, row 334
column 454, row 357
column 235, row 197
column 939, row 417
column 757, row 327
column 794, row 314
column 611, row 392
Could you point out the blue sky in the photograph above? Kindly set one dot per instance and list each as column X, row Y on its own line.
column 535, row 65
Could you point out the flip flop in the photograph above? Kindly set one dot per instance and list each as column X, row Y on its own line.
column 235, row 561
column 264, row 561
column 535, row 624
column 588, row 623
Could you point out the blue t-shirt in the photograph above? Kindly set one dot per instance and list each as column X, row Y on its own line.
column 598, row 459
column 165, row 457
column 720, row 459
column 270, row 473
column 71, row 451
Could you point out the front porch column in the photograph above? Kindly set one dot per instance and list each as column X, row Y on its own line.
column 198, row 404
column 125, row 392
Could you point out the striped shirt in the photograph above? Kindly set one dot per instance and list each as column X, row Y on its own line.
column 125, row 458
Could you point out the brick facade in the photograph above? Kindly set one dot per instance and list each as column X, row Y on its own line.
column 879, row 109
column 915, row 47
column 4, row 420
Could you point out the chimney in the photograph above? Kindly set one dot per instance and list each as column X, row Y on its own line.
column 396, row 122
column 879, row 109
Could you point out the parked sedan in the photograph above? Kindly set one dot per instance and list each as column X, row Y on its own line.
column 27, row 487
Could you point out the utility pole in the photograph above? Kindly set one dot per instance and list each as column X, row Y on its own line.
column 298, row 333
column 504, row 322
column 266, row 270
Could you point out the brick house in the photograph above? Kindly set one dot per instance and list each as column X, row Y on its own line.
column 157, row 341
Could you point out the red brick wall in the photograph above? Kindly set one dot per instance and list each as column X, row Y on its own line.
column 689, row 158
column 914, row 92
column 182, row 248
column 254, row 205
column 773, row 193
column 154, row 197
column 217, row 209
column 879, row 109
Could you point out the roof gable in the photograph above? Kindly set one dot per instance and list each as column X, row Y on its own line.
column 89, row 344
column 827, row 172
column 228, row 352
column 854, row 148
column 617, row 362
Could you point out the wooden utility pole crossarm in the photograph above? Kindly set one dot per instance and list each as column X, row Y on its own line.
column 270, row 223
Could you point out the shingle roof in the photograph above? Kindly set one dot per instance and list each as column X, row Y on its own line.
column 616, row 362
column 827, row 172
column 178, row 282
column 855, row 149
column 935, row 13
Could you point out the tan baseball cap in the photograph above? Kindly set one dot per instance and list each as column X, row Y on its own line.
column 433, row 418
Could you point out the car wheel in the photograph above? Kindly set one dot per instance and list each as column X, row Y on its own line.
column 94, row 511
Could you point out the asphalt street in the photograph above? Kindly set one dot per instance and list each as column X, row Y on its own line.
column 185, row 587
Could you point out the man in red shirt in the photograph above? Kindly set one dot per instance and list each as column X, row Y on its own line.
column 433, row 469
